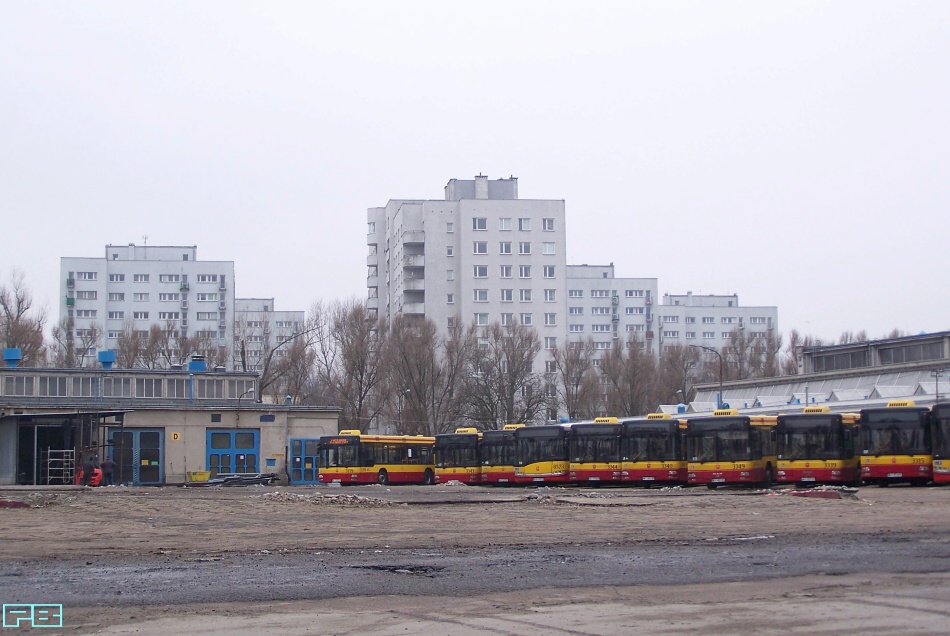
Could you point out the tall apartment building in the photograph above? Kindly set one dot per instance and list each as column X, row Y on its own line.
column 606, row 308
column 481, row 254
column 259, row 328
column 138, row 286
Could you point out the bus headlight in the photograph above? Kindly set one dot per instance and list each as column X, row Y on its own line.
column 781, row 473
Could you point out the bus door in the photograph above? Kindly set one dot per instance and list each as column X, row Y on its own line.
column 303, row 461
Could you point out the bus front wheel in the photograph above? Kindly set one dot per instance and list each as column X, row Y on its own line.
column 383, row 478
column 429, row 478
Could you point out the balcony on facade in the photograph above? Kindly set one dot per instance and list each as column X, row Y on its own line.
column 414, row 260
column 414, row 308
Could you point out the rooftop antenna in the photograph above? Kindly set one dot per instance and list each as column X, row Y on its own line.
column 145, row 239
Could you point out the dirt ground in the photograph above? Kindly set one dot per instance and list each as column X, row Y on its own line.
column 462, row 560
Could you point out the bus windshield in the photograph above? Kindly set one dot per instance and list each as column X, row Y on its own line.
column 456, row 453
column 895, row 433
column 595, row 448
column 941, row 432
column 333, row 455
column 720, row 446
column 647, row 445
column 498, row 449
column 811, row 438
column 541, row 447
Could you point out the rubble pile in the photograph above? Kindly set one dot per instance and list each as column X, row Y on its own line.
column 329, row 500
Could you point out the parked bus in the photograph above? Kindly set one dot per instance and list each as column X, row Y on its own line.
column 896, row 444
column 457, row 456
column 353, row 458
column 594, row 451
column 653, row 450
column 729, row 448
column 497, row 453
column 541, row 454
column 817, row 447
column 940, row 426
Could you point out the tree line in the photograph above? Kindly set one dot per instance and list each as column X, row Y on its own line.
column 411, row 377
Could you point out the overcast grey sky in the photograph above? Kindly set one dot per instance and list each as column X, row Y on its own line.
column 794, row 153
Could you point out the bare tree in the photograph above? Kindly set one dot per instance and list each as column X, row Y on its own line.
column 424, row 373
column 62, row 350
column 628, row 370
column 503, row 387
column 129, row 347
column 293, row 371
column 348, row 356
column 21, row 326
column 577, row 377
column 675, row 379
column 88, row 339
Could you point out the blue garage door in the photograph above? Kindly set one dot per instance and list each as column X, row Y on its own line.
column 303, row 461
column 139, row 456
column 233, row 451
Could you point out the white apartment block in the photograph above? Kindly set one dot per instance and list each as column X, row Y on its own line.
column 708, row 320
column 480, row 255
column 605, row 308
column 143, row 285
column 260, row 328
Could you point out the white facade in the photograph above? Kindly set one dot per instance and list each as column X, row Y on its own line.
column 481, row 255
column 259, row 328
column 141, row 286
column 708, row 320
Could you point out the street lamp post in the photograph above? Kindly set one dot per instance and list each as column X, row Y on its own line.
column 718, row 355
column 936, row 374
column 250, row 390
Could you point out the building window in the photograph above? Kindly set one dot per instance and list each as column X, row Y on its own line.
column 636, row 327
column 600, row 293
column 547, row 225
column 449, row 250
column 207, row 278
column 690, row 320
column 480, row 247
column 479, row 223
column 169, row 315
column 449, row 227
column 550, row 295
column 709, row 334
column 450, row 323
column 601, row 345
column 600, row 328
column 116, row 296
column 169, row 278
column 600, row 311
column 507, row 295
column 450, row 299
column 550, row 366
column 671, row 318
column 213, row 315
column 550, row 320
column 728, row 320
column 550, row 342
column 575, row 311
column 207, row 297
column 757, row 320
column 480, row 295
column 86, row 295
column 116, row 278
column 524, row 247
column 575, row 328
column 507, row 319
column 671, row 334
column 169, row 297
column 504, row 247
column 140, row 315
column 525, row 295
column 450, row 274
column 708, row 320
column 87, row 275
column 548, row 271
column 371, row 227
column 547, row 248
column 139, row 298
column 524, row 271
column 85, row 313
column 113, row 335
column 140, row 278
column 634, row 293
column 726, row 335
column 634, row 310
column 575, row 293
column 480, row 271
column 504, row 224
column 481, row 320
column 524, row 225
column 526, row 320
column 116, row 315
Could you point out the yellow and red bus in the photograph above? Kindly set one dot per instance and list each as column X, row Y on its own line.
column 351, row 457
column 940, row 425
column 653, row 450
column 497, row 453
column 817, row 447
column 541, row 454
column 594, row 451
column 729, row 448
column 457, row 456
column 896, row 444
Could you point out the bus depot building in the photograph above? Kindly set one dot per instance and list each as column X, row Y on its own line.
column 158, row 426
